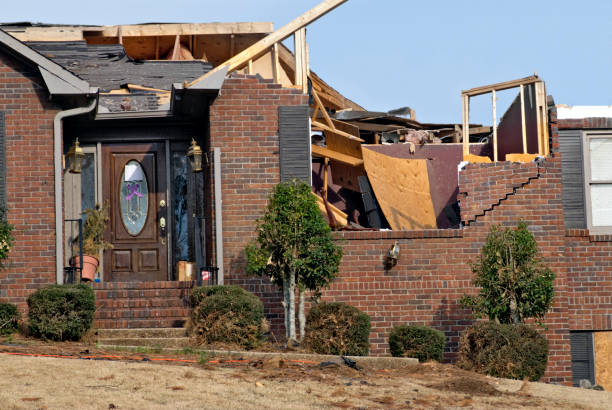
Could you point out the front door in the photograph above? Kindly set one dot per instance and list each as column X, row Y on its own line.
column 134, row 184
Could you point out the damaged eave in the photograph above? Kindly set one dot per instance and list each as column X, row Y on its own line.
column 58, row 80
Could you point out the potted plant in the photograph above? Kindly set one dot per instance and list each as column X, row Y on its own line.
column 94, row 243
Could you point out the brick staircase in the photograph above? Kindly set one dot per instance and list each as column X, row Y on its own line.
column 137, row 305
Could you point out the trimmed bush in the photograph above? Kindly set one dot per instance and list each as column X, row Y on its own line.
column 227, row 314
column 61, row 312
column 9, row 318
column 420, row 342
column 504, row 350
column 337, row 328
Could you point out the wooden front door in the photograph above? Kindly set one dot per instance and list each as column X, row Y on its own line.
column 134, row 184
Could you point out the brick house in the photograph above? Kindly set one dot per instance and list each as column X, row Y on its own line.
column 241, row 122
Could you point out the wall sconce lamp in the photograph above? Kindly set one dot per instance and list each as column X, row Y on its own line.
column 392, row 256
column 75, row 157
column 195, row 156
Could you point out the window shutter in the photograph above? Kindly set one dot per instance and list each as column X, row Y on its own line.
column 294, row 132
column 572, row 178
column 583, row 366
column 3, row 199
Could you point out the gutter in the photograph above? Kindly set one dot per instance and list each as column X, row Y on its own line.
column 57, row 166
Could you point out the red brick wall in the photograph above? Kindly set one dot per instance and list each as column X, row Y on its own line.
column 244, row 124
column 29, row 155
column 484, row 186
column 433, row 271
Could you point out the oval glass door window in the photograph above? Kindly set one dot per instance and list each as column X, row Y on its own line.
column 134, row 197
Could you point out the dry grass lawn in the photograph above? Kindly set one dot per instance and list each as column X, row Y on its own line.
column 54, row 383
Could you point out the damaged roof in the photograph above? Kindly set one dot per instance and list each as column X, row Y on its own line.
column 109, row 68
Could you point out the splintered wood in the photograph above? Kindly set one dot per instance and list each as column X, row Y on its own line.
column 402, row 189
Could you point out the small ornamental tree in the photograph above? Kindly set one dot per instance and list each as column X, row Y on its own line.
column 514, row 283
column 6, row 237
column 294, row 248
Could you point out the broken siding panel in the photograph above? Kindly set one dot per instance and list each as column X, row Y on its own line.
column 572, row 178
column 294, row 135
column 3, row 201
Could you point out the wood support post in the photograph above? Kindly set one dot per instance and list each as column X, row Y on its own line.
column 325, row 180
column 466, row 126
column 275, row 64
column 523, row 125
column 494, row 101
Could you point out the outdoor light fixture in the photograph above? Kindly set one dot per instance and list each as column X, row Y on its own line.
column 392, row 255
column 195, row 156
column 75, row 157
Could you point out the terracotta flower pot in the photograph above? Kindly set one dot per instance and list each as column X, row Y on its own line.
column 90, row 267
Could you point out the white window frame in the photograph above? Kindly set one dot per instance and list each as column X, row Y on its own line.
column 587, row 136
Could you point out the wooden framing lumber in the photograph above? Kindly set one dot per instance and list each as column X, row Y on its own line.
column 494, row 105
column 321, row 107
column 340, row 217
column 523, row 125
column 466, row 125
column 500, row 86
column 144, row 30
column 323, row 127
column 275, row 64
column 263, row 45
column 323, row 152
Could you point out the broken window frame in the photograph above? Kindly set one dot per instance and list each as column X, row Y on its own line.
column 542, row 116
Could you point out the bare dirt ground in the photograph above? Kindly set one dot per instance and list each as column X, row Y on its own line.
column 124, row 380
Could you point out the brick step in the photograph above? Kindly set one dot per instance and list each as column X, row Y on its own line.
column 168, row 332
column 160, row 342
column 176, row 322
column 146, row 313
column 131, row 303
column 142, row 285
column 142, row 293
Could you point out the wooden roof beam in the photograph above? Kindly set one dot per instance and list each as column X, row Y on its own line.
column 500, row 86
column 264, row 45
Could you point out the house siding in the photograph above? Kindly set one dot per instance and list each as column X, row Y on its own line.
column 28, row 126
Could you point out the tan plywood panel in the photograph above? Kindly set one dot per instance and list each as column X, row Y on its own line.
column 402, row 189
column 603, row 359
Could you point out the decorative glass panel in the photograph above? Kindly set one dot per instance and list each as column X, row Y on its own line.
column 134, row 197
column 88, row 182
column 601, row 152
column 601, row 204
column 179, row 186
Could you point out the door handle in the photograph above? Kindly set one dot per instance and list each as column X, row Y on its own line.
column 162, row 222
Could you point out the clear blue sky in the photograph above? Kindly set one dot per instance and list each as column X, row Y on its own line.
column 390, row 53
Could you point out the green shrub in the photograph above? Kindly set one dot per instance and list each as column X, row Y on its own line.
column 504, row 350
column 337, row 328
column 420, row 342
column 61, row 312
column 227, row 314
column 198, row 294
column 9, row 318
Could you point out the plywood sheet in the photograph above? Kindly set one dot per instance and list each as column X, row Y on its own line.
column 402, row 189
column 603, row 359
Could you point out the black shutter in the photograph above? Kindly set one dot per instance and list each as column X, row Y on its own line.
column 294, row 134
column 572, row 178
column 583, row 366
column 3, row 201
